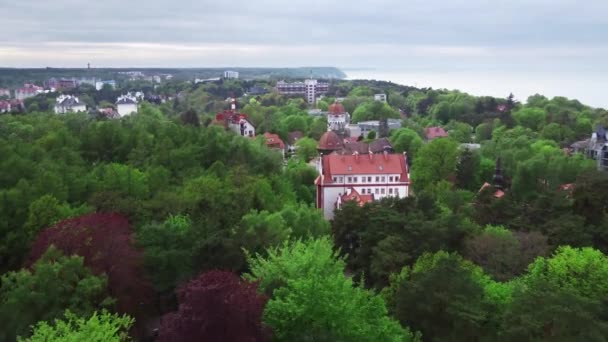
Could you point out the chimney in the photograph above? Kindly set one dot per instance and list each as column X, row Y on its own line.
column 233, row 106
column 371, row 155
column 356, row 154
column 385, row 153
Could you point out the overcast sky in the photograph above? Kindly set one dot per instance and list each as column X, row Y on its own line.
column 428, row 35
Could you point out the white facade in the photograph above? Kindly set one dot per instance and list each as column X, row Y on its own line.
column 337, row 122
column 67, row 103
column 231, row 74
column 126, row 105
column 126, row 108
column 244, row 128
column 99, row 84
column 391, row 178
column 311, row 94
column 380, row 97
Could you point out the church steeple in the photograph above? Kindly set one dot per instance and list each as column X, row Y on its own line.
column 498, row 179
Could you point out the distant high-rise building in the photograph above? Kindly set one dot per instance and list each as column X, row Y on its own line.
column 310, row 88
column 231, row 74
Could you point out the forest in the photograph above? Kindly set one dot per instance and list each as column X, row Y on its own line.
column 161, row 226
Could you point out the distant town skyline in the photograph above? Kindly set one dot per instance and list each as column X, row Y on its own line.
column 515, row 37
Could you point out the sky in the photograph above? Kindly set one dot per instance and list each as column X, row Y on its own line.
column 494, row 39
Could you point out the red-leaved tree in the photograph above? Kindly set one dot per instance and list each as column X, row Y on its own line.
column 105, row 240
column 216, row 306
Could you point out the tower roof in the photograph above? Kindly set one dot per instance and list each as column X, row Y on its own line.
column 336, row 108
column 330, row 141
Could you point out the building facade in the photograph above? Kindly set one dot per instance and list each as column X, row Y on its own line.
column 229, row 74
column 378, row 176
column 595, row 148
column 235, row 121
column 126, row 105
column 5, row 92
column 311, row 89
column 337, row 118
column 380, row 97
column 99, row 84
column 68, row 103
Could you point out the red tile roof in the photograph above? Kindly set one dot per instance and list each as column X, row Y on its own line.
column 435, row 132
column 335, row 164
column 498, row 193
column 273, row 141
column 357, row 197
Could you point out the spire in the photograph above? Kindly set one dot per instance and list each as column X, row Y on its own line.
column 498, row 179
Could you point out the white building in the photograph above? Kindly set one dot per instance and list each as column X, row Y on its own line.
column 337, row 117
column 68, row 103
column 99, row 84
column 362, row 178
column 380, row 97
column 126, row 105
column 310, row 88
column 374, row 125
column 231, row 74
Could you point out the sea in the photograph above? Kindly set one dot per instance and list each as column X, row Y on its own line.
column 590, row 88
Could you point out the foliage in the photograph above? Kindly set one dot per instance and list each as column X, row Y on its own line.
column 306, row 149
column 55, row 283
column 436, row 161
column 374, row 110
column 406, row 140
column 100, row 327
column 310, row 294
column 216, row 306
column 168, row 251
column 105, row 243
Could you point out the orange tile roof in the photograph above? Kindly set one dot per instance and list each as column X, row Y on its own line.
column 357, row 197
column 273, row 141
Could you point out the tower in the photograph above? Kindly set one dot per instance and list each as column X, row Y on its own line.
column 498, row 179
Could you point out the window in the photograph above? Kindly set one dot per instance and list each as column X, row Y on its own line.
column 390, row 179
column 335, row 179
column 369, row 191
column 376, row 191
column 355, row 179
column 382, row 191
column 340, row 179
column 397, row 192
column 369, row 179
column 363, row 179
column 377, row 179
column 383, row 179
column 390, row 191
column 350, row 179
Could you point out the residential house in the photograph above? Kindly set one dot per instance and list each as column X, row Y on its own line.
column 356, row 175
column 274, row 142
column 5, row 92
column 235, row 121
column 126, row 105
column 595, row 148
column 376, row 146
column 68, row 103
column 292, row 139
column 432, row 133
